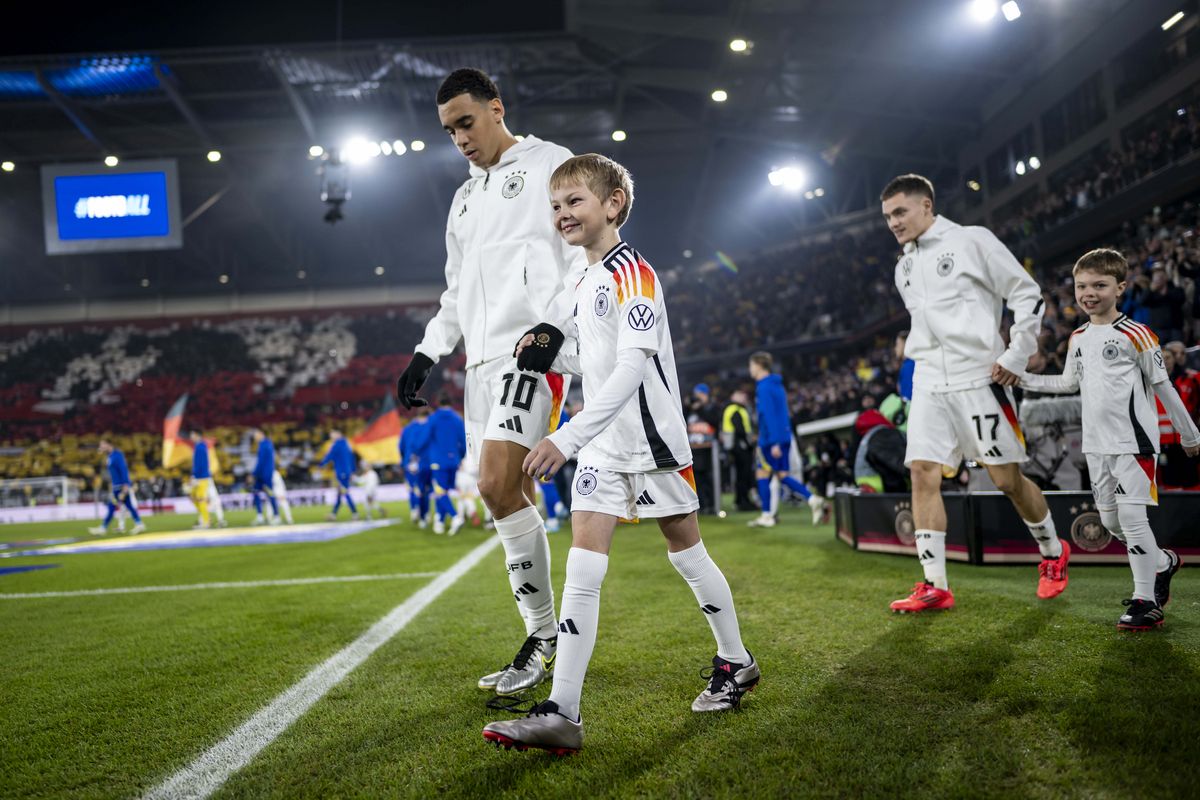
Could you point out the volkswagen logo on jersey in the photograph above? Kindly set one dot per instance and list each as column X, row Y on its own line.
column 641, row 317
column 906, row 267
column 945, row 265
column 586, row 483
column 513, row 185
column 1110, row 351
column 1087, row 532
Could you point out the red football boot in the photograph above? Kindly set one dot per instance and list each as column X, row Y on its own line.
column 1052, row 574
column 925, row 597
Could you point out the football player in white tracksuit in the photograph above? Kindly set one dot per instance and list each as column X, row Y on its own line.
column 1117, row 367
column 368, row 479
column 507, row 273
column 955, row 281
column 280, row 490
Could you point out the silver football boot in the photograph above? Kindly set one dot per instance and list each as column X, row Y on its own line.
column 530, row 666
column 545, row 728
column 727, row 682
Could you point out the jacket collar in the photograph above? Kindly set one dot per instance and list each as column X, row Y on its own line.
column 940, row 227
column 507, row 157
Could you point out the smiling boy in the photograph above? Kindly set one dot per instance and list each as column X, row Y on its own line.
column 1117, row 367
column 633, row 452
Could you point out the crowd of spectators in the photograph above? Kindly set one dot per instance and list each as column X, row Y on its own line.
column 1157, row 143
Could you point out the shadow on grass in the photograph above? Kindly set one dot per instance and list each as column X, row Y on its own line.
column 1139, row 729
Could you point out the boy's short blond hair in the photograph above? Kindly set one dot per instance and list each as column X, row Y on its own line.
column 1103, row 261
column 600, row 174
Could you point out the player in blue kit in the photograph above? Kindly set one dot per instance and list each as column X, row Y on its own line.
column 342, row 458
column 263, row 477
column 418, row 501
column 122, row 489
column 204, row 489
column 444, row 442
column 775, row 442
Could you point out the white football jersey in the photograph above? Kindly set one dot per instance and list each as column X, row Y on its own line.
column 1114, row 367
column 368, row 480
column 619, row 304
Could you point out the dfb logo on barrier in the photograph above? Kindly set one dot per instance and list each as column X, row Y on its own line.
column 1087, row 531
column 906, row 528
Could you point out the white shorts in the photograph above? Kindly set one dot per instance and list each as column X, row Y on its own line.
column 1123, row 479
column 978, row 424
column 501, row 402
column 633, row 495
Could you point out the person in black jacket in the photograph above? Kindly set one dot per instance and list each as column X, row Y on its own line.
column 735, row 438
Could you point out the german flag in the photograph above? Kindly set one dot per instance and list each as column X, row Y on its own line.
column 379, row 443
column 176, row 450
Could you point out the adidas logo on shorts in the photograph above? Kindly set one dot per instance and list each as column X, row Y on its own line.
column 993, row 453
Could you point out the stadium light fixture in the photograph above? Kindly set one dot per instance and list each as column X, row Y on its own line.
column 398, row 148
column 1035, row 162
column 809, row 195
column 974, row 186
column 618, row 135
column 983, row 11
column 1011, row 11
column 720, row 95
column 790, row 178
column 223, row 278
column 1179, row 112
column 819, row 192
column 111, row 161
column 145, row 283
column 739, row 45
column 1020, row 168
column 301, row 274
column 1178, row 15
column 417, row 145
column 359, row 150
column 379, row 270
column 214, row 156
column 8, row 166
column 316, row 151
column 385, row 148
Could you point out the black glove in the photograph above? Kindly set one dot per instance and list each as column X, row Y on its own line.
column 539, row 356
column 412, row 379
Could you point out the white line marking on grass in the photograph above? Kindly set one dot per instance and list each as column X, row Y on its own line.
column 216, row 765
column 187, row 587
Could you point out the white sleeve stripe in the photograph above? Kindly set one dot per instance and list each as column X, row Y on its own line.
column 637, row 274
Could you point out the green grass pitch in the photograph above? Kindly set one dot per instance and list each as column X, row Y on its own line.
column 1005, row 696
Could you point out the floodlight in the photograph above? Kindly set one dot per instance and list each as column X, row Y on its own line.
column 398, row 148
column 790, row 178
column 8, row 166
column 1178, row 15
column 739, row 45
column 720, row 95
column 618, row 135
column 983, row 10
column 316, row 151
column 1034, row 162
column 1011, row 10
column 111, row 161
column 417, row 145
column 214, row 156
column 1020, row 168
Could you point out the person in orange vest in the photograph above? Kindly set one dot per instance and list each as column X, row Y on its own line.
column 1177, row 470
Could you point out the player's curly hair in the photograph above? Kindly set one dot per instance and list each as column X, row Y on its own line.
column 1105, row 261
column 467, row 81
column 911, row 183
column 600, row 174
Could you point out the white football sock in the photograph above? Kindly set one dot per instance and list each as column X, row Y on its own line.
column 716, row 601
column 1145, row 557
column 931, row 550
column 577, row 631
column 527, row 554
column 775, row 492
column 1046, row 536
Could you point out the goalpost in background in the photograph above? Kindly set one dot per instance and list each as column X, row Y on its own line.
column 57, row 490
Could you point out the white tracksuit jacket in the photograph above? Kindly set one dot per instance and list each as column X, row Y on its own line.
column 506, row 265
column 955, row 280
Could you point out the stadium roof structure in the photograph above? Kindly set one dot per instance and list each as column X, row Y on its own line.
column 853, row 90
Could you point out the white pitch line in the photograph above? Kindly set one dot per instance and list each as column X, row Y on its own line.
column 216, row 765
column 187, row 587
